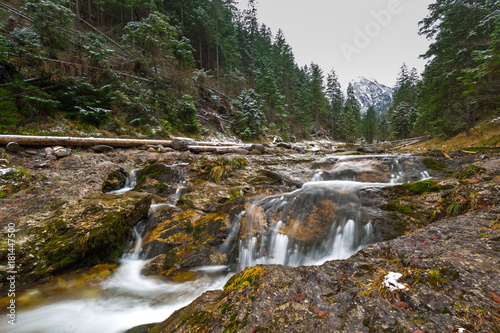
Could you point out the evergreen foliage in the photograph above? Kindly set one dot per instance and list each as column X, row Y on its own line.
column 370, row 125
column 166, row 66
column 460, row 82
column 249, row 118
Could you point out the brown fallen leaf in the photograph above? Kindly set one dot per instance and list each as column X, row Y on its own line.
column 495, row 297
column 299, row 297
column 322, row 314
column 402, row 305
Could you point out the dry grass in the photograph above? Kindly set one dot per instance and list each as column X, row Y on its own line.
column 485, row 134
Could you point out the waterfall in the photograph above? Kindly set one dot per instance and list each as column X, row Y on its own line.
column 123, row 300
column 130, row 183
column 324, row 219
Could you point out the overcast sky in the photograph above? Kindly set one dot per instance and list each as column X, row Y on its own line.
column 370, row 38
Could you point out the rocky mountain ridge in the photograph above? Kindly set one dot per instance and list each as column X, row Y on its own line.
column 369, row 92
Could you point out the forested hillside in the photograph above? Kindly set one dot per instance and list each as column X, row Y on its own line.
column 198, row 67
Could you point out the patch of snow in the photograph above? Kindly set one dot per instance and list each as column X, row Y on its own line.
column 3, row 171
column 391, row 281
column 496, row 120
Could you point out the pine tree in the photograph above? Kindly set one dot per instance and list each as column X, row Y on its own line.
column 453, row 92
column 336, row 99
column 350, row 117
column 250, row 118
column 370, row 125
column 317, row 94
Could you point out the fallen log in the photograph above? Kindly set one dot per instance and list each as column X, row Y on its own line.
column 27, row 140
column 202, row 149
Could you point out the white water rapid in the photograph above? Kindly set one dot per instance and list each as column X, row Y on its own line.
column 124, row 300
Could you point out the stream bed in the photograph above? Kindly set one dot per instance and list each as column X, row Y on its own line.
column 323, row 220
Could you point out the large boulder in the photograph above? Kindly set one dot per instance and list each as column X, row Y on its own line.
column 182, row 143
column 86, row 232
column 449, row 280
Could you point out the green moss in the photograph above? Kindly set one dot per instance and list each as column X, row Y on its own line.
column 470, row 171
column 62, row 245
column 186, row 202
column 189, row 227
column 418, row 188
column 431, row 164
column 244, row 279
column 396, row 206
column 13, row 181
column 198, row 230
column 199, row 318
column 225, row 308
column 151, row 171
column 223, row 168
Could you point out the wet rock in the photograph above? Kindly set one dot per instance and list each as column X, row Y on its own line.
column 285, row 145
column 444, row 290
column 49, row 151
column 183, row 238
column 182, row 143
column 61, row 151
column 81, row 161
column 260, row 148
column 284, row 178
column 161, row 179
column 77, row 234
column 370, row 150
column 13, row 147
column 102, row 149
column 115, row 181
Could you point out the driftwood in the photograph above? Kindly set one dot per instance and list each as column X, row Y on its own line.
column 28, row 140
column 74, row 141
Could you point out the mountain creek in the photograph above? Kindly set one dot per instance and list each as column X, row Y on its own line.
column 267, row 239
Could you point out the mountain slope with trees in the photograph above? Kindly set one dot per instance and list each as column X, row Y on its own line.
column 200, row 68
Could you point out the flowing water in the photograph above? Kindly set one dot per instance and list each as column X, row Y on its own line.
column 323, row 220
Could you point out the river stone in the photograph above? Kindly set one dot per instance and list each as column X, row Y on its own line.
column 75, row 233
column 285, row 145
column 13, row 147
column 102, row 149
column 260, row 148
column 49, row 151
column 369, row 150
column 450, row 267
column 61, row 151
column 182, row 143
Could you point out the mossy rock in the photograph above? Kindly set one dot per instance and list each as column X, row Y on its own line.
column 245, row 279
column 84, row 234
column 162, row 173
column 432, row 164
column 418, row 188
column 115, row 181
column 471, row 170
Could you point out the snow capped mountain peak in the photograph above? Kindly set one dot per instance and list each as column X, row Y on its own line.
column 371, row 92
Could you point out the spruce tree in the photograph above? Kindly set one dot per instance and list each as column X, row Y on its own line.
column 336, row 100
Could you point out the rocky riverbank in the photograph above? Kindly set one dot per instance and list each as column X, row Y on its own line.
column 66, row 218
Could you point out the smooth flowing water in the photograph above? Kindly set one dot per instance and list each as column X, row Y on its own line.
column 323, row 220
